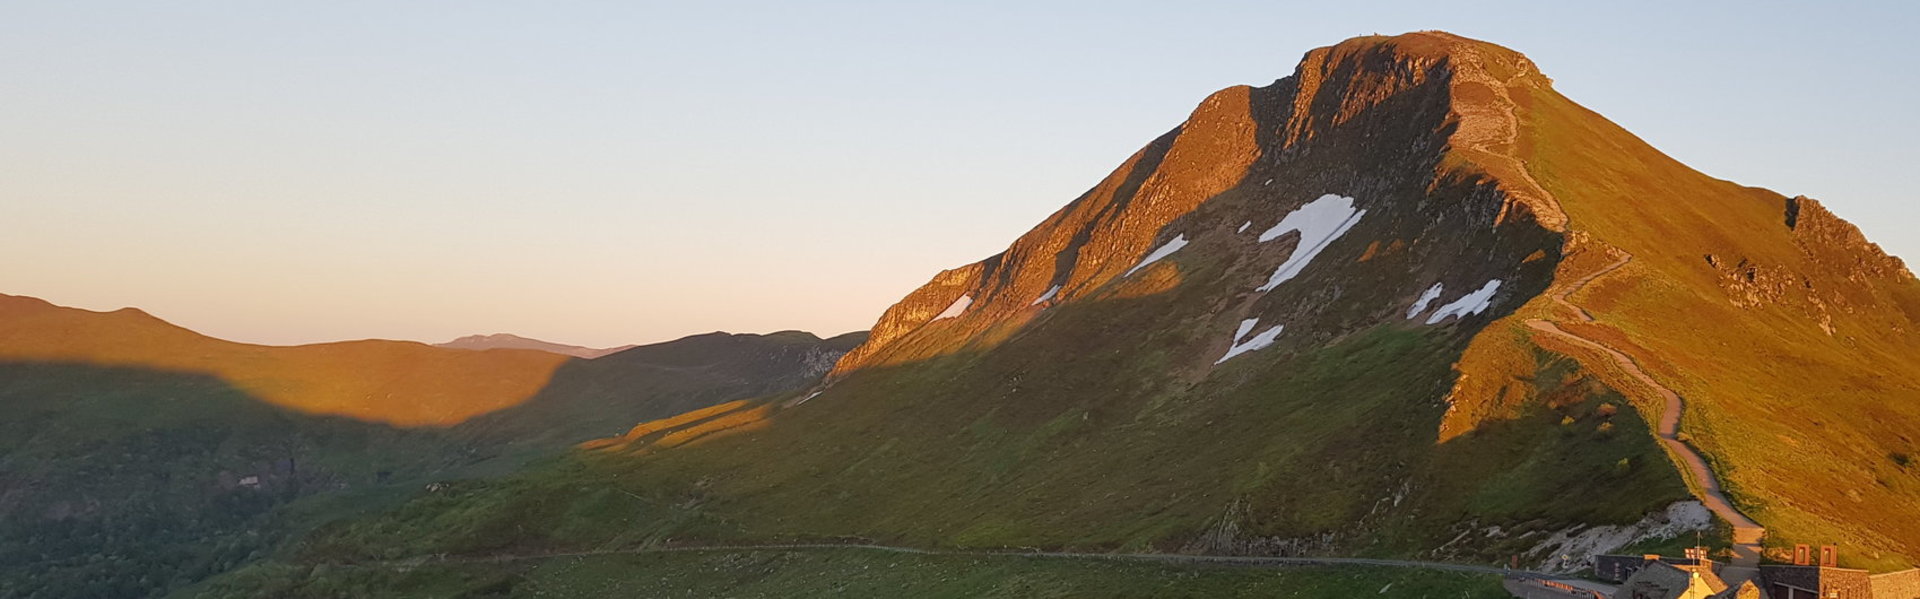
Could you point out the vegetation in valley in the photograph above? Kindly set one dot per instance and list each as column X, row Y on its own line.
column 125, row 482
column 843, row 573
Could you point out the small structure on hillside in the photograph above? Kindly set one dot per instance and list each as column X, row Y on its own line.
column 1696, row 576
column 1660, row 579
column 1618, row 568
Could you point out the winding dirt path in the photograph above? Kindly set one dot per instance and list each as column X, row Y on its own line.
column 1493, row 131
column 1706, row 487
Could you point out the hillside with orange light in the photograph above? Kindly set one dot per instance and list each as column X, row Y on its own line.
column 1407, row 301
column 392, row 382
column 137, row 456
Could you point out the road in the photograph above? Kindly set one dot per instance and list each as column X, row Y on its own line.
column 1170, row 558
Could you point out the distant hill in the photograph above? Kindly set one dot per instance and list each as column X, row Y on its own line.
column 587, row 399
column 137, row 456
column 1409, row 300
column 393, row 382
column 512, row 341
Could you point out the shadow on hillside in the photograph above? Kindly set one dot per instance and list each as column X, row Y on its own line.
column 126, row 482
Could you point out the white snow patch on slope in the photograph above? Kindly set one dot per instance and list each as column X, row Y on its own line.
column 1420, row 305
column 1046, row 296
column 1472, row 303
column 1246, row 326
column 958, row 307
column 1265, row 338
column 1165, row 250
column 1319, row 222
column 1243, row 227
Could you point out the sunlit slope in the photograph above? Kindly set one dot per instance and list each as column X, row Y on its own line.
column 588, row 399
column 1242, row 341
column 394, row 382
column 1795, row 341
column 145, row 467
column 1308, row 321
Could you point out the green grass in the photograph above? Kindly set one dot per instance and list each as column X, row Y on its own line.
column 1095, row 476
column 1798, row 424
column 845, row 573
column 128, row 478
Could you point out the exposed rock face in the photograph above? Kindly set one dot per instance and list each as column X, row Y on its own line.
column 1573, row 549
column 1835, row 243
column 1846, row 273
column 1254, row 154
column 1476, row 198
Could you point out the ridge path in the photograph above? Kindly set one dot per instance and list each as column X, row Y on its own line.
column 1746, row 533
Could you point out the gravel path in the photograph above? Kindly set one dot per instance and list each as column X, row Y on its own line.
column 1746, row 533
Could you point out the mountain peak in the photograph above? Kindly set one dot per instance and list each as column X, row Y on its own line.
column 1445, row 101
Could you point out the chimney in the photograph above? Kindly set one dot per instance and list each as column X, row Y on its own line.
column 1697, row 554
column 1829, row 556
column 1802, row 555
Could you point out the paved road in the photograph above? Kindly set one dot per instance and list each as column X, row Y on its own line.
column 1747, row 534
column 1138, row 557
column 1533, row 589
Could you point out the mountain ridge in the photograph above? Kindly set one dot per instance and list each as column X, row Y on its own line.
column 1500, row 134
column 1302, row 323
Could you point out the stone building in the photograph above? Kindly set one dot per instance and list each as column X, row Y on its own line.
column 1696, row 577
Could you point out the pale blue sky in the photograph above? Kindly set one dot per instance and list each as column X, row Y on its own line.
column 618, row 172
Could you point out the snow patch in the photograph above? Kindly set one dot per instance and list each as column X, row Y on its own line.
column 1420, row 305
column 1245, row 327
column 956, row 308
column 804, row 399
column 1472, row 303
column 1163, row 251
column 1572, row 549
column 1319, row 222
column 1243, row 227
column 1046, row 296
column 1265, row 338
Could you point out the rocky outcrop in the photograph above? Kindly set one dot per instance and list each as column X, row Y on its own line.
column 1434, row 93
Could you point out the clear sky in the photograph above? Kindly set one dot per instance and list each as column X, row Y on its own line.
column 617, row 172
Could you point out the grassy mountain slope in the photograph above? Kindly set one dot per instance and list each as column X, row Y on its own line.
column 118, row 481
column 602, row 397
column 855, row 573
column 1101, row 416
column 1296, row 324
column 393, row 382
column 1795, row 341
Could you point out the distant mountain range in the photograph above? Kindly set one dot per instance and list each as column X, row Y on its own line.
column 137, row 456
column 512, row 341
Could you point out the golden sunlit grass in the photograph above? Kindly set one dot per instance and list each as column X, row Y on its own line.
column 1797, row 423
column 667, row 433
column 392, row 382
